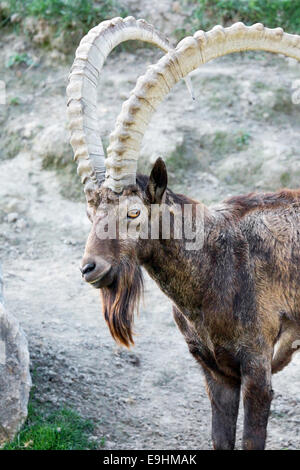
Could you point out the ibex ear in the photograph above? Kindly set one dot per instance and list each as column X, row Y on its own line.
column 157, row 182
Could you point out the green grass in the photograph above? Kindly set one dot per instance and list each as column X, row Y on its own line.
column 19, row 59
column 62, row 429
column 66, row 14
column 15, row 101
column 10, row 145
column 276, row 107
column 285, row 179
column 222, row 143
column 183, row 157
column 66, row 171
column 272, row 13
column 242, row 140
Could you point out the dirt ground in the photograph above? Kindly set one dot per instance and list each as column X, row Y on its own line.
column 241, row 133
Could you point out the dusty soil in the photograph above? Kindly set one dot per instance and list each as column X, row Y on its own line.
column 241, row 133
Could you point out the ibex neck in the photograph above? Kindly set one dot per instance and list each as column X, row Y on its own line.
column 176, row 263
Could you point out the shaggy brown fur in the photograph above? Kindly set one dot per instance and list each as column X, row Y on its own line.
column 235, row 300
column 121, row 300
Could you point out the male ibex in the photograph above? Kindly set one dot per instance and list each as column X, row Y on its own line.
column 237, row 296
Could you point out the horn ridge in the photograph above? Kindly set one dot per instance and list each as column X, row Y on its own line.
column 82, row 89
column 152, row 87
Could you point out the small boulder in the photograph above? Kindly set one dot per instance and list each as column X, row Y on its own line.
column 12, row 217
column 52, row 144
column 15, row 380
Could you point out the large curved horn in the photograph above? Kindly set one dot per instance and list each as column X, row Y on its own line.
column 150, row 90
column 82, row 90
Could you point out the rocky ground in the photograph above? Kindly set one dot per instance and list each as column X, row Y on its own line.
column 241, row 134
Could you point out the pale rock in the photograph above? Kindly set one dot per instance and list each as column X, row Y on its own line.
column 52, row 141
column 15, row 380
column 20, row 46
column 15, row 18
column 12, row 217
column 21, row 224
column 30, row 129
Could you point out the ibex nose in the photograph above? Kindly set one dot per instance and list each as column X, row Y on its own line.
column 88, row 268
column 95, row 269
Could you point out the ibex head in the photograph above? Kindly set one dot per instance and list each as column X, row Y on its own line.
column 110, row 260
column 111, row 186
column 116, row 246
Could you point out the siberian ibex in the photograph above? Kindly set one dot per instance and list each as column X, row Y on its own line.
column 237, row 295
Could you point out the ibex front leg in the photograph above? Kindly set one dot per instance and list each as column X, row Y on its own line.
column 224, row 397
column 257, row 397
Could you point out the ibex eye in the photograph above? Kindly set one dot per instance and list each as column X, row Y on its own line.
column 133, row 213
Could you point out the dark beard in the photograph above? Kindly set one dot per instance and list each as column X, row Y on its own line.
column 121, row 300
